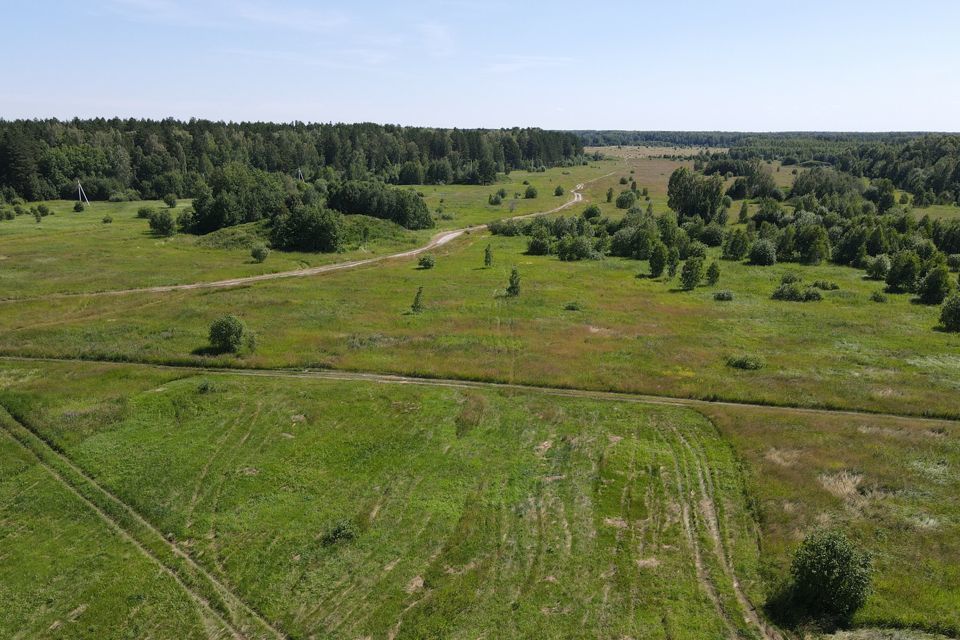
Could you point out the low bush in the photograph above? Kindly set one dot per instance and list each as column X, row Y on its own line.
column 427, row 261
column 162, row 223
column 723, row 296
column 107, row 219
column 793, row 292
column 789, row 278
column 78, row 207
column 144, row 213
column 573, row 306
column 259, row 252
column 878, row 296
column 746, row 362
column 950, row 313
column 227, row 333
column 825, row 285
column 530, row 193
column 340, row 531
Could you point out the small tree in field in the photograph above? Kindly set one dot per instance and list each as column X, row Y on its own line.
column 713, row 273
column 226, row 334
column 673, row 261
column 558, row 191
column 659, row 256
column 692, row 273
column 530, row 193
column 950, row 313
column 417, row 305
column 831, row 576
column 513, row 286
column 170, row 200
column 488, row 256
column 744, row 212
column 259, row 252
column 162, row 223
column 427, row 261
column 78, row 207
column 610, row 194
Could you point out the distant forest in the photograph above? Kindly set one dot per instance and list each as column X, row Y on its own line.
column 133, row 159
column 925, row 164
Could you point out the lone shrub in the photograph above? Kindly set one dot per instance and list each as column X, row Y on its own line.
column 340, row 531
column 107, row 219
column 572, row 306
column 530, row 193
column 878, row 296
column 626, row 200
column 226, row 334
column 950, row 313
column 427, row 261
column 417, row 305
column 659, row 257
column 746, row 362
column 558, row 191
column 591, row 212
column 831, row 576
column 488, row 256
column 495, row 199
column 723, row 296
column 78, row 207
column 144, row 213
column 513, row 286
column 170, row 200
column 259, row 252
column 935, row 286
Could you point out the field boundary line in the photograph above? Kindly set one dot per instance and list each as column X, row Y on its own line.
column 230, row 610
column 347, row 375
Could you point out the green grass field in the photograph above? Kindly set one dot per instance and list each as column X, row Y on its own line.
column 467, row 513
column 185, row 503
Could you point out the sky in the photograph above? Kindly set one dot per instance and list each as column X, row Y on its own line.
column 735, row 65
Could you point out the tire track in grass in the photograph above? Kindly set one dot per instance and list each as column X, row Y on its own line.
column 240, row 620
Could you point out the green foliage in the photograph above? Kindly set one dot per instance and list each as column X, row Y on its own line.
column 170, row 199
column 259, row 252
column 763, row 252
column 573, row 306
column 950, row 313
column 107, row 219
column 610, row 194
column 878, row 296
column 162, row 223
column 574, row 247
column 744, row 214
column 403, row 206
column 659, row 257
column 427, row 261
column 713, row 273
column 144, row 213
column 878, row 267
column 592, row 212
column 794, row 292
column 723, row 296
column 558, row 191
column 495, row 199
column 78, row 207
column 934, row 287
column 312, row 228
column 530, row 192
column 690, row 194
column 692, row 273
column 488, row 256
column 736, row 245
column 513, row 286
column 673, row 261
column 417, row 305
column 227, row 333
column 825, row 285
column 904, row 271
column 626, row 200
column 338, row 532
column 831, row 576
column 745, row 362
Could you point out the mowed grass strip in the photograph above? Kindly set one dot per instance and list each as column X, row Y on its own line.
column 348, row 509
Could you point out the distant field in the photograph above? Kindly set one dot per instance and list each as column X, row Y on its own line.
column 348, row 510
column 643, row 151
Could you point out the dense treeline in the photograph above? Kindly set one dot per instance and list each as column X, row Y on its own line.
column 130, row 159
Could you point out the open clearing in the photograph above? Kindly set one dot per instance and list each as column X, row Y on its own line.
column 525, row 515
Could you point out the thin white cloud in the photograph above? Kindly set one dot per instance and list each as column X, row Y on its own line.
column 289, row 18
column 222, row 14
column 516, row 63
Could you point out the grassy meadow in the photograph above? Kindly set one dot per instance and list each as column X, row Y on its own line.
column 431, row 513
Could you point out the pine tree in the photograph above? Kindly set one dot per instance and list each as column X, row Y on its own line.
column 417, row 305
column 610, row 194
column 673, row 261
column 488, row 257
column 513, row 289
column 744, row 212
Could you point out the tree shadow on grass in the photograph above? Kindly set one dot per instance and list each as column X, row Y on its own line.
column 210, row 351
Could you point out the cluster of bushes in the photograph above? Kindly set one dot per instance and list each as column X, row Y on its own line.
column 746, row 362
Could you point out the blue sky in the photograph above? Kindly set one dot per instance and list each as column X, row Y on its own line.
column 695, row 65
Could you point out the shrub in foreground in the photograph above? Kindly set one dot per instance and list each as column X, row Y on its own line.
column 427, row 261
column 162, row 223
column 513, row 287
column 723, row 296
column 831, row 576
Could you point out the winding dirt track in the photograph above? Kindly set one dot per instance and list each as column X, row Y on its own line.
column 438, row 240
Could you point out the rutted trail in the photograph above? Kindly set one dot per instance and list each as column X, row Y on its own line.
column 438, row 240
